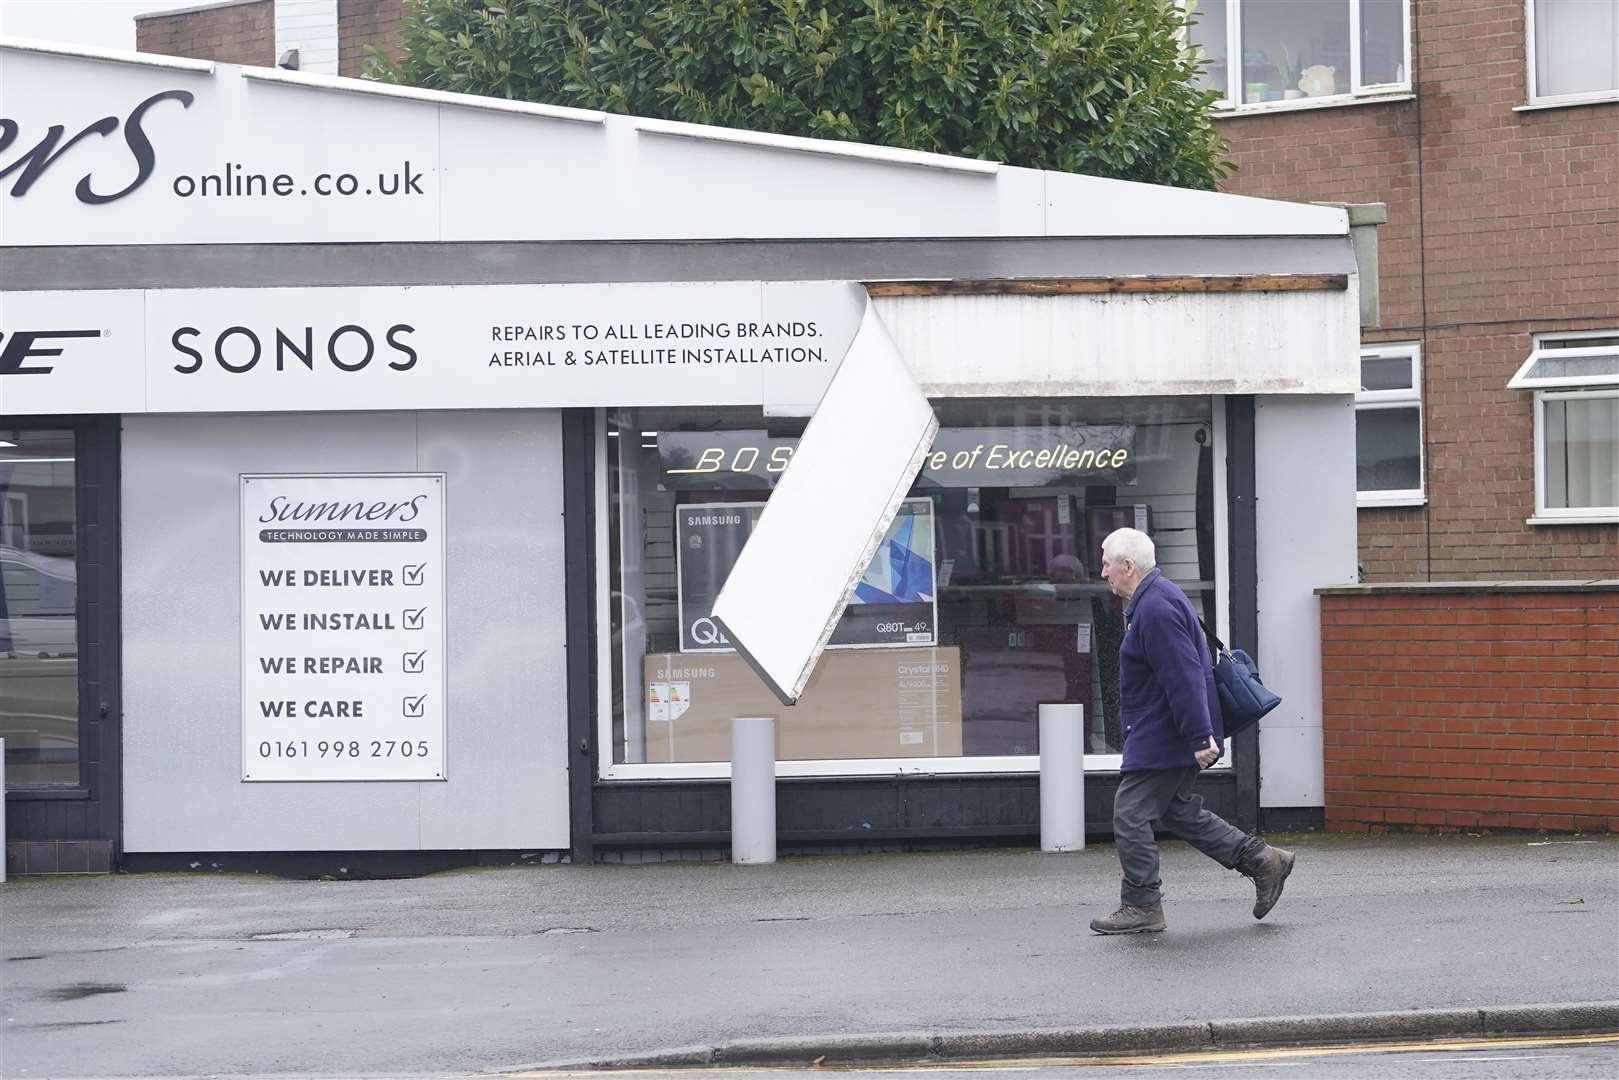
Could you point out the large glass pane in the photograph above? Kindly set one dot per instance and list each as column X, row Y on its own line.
column 1208, row 33
column 1582, row 452
column 1385, row 373
column 984, row 600
column 39, row 641
column 1388, row 451
column 1292, row 50
column 1576, row 47
column 1382, row 42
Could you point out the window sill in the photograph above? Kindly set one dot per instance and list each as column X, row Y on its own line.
column 1337, row 101
column 865, row 768
column 1582, row 519
column 47, row 793
column 1379, row 502
column 1538, row 106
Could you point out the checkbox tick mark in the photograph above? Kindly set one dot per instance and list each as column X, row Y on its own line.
column 415, row 706
column 414, row 575
column 415, row 618
column 415, row 663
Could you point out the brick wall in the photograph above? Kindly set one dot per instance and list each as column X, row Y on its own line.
column 1465, row 709
column 1501, row 224
column 365, row 22
column 241, row 32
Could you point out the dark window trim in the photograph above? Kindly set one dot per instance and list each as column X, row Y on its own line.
column 579, row 547
column 1242, row 550
column 96, row 506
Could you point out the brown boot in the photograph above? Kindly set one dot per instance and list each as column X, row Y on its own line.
column 1130, row 919
column 1269, row 867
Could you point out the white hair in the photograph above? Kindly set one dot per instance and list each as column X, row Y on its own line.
column 1134, row 545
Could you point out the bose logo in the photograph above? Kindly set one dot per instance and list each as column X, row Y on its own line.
column 20, row 345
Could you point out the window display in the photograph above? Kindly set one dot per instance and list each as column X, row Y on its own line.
column 983, row 601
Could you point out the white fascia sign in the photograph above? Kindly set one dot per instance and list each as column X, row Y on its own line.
column 770, row 344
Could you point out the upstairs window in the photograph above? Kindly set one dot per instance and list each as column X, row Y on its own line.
column 1388, row 427
column 1265, row 53
column 1575, row 380
column 1573, row 49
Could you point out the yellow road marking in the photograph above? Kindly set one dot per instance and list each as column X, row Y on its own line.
column 1191, row 1057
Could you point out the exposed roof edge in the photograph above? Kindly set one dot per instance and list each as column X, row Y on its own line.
column 883, row 155
column 412, row 93
column 115, row 56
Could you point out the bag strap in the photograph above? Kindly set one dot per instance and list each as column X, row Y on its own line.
column 1216, row 646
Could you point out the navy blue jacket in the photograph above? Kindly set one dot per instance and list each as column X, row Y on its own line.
column 1167, row 702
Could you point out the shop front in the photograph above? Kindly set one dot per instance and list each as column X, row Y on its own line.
column 388, row 522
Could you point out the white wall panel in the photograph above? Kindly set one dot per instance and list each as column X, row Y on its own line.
column 1305, row 506
column 182, row 645
column 310, row 26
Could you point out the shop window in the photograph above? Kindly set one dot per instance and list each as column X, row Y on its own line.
column 1388, row 427
column 984, row 600
column 1573, row 51
column 1575, row 380
column 1323, row 52
column 39, row 626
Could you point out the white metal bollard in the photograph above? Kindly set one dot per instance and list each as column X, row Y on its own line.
column 753, row 789
column 1062, row 777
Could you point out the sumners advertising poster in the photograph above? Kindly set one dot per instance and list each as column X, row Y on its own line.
column 895, row 604
column 343, row 627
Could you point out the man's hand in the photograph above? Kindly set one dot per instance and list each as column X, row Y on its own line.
column 1208, row 755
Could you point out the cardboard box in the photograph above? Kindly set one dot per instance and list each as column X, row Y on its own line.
column 860, row 703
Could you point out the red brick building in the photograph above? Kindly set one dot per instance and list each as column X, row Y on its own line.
column 1490, row 128
column 231, row 32
column 330, row 36
column 1503, row 228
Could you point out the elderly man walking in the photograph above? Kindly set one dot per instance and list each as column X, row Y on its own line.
column 1172, row 731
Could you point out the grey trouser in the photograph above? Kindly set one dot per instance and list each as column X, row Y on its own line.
column 1165, row 795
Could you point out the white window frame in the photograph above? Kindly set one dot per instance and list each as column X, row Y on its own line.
column 1231, row 104
column 608, row 769
column 1537, row 100
column 1564, row 388
column 1370, row 400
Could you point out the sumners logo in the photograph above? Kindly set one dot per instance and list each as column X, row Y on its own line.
column 32, row 165
column 20, row 345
